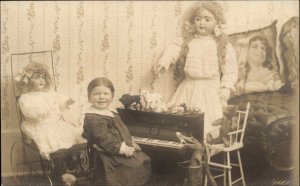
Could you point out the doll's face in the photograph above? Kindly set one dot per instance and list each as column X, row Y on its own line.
column 37, row 82
column 101, row 97
column 257, row 52
column 205, row 22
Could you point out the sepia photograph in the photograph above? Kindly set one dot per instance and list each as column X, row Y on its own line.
column 154, row 93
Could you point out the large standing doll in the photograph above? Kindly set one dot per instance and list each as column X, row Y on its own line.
column 205, row 63
column 42, row 110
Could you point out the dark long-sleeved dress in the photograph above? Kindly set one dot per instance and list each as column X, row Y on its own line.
column 108, row 133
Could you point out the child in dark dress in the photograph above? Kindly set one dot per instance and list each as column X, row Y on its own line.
column 122, row 161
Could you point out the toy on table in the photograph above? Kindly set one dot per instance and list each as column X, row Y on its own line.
column 152, row 101
column 127, row 100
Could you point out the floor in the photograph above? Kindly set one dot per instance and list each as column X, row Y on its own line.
column 253, row 179
column 256, row 174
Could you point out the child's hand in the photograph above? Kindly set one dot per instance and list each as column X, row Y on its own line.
column 129, row 151
column 126, row 150
column 136, row 146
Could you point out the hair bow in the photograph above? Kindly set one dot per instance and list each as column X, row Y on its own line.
column 189, row 27
column 23, row 76
column 218, row 30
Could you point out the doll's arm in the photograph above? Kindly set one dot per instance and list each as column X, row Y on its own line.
column 218, row 122
column 229, row 69
column 171, row 54
column 63, row 101
column 229, row 74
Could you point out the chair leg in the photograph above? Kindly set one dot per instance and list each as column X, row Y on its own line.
column 208, row 160
column 49, row 179
column 229, row 170
column 27, row 161
column 224, row 169
column 241, row 167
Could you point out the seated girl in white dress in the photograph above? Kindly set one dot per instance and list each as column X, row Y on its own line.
column 42, row 110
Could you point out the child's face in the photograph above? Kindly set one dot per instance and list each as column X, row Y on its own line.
column 257, row 52
column 101, row 97
column 37, row 82
column 205, row 22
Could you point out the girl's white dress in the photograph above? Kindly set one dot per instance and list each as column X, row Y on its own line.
column 203, row 76
column 44, row 124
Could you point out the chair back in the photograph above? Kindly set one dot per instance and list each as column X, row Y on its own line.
column 18, row 62
column 21, row 118
column 237, row 135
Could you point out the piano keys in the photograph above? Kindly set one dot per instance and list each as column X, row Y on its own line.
column 157, row 142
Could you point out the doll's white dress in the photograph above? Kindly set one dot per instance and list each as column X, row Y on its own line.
column 50, row 132
column 203, row 76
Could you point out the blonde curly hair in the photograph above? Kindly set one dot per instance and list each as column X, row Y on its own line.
column 214, row 7
column 23, row 78
column 188, row 33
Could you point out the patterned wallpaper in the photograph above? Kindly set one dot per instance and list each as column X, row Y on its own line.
column 118, row 39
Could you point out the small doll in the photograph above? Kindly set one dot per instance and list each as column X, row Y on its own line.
column 127, row 100
column 228, row 124
column 152, row 101
column 181, row 108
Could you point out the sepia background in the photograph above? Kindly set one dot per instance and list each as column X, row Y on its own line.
column 120, row 40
